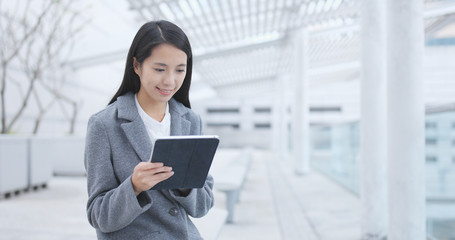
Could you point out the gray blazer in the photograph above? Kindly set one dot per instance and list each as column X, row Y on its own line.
column 116, row 142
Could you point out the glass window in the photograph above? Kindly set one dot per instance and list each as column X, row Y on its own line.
column 431, row 141
column 431, row 125
column 431, row 159
column 262, row 125
column 223, row 110
column 224, row 125
column 262, row 110
column 325, row 109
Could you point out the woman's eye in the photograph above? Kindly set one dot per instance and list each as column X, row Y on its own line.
column 180, row 70
column 159, row 69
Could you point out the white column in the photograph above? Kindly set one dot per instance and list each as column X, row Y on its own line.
column 373, row 121
column 405, row 48
column 277, row 119
column 246, row 112
column 300, row 105
column 286, row 120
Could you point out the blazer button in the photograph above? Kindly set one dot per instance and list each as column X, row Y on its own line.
column 173, row 211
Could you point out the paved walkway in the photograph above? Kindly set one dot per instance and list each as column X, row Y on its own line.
column 57, row 212
column 275, row 204
column 313, row 207
column 278, row 204
column 255, row 216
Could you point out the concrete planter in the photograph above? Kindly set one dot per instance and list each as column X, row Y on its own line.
column 66, row 155
column 40, row 161
column 30, row 162
column 13, row 164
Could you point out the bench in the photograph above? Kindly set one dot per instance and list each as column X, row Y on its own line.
column 229, row 171
column 211, row 224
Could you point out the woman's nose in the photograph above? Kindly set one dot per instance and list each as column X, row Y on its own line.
column 169, row 79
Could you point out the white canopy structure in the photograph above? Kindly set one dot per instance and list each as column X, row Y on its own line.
column 270, row 73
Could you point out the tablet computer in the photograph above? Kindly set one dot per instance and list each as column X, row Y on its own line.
column 189, row 156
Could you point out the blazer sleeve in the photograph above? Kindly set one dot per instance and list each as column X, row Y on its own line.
column 200, row 200
column 111, row 205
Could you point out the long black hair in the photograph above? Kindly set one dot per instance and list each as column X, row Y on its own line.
column 150, row 35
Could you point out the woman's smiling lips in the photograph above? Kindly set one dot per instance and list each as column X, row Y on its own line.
column 165, row 92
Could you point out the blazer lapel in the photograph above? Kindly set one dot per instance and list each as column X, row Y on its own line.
column 134, row 127
column 179, row 124
column 138, row 137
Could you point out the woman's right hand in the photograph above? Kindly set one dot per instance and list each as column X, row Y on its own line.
column 148, row 174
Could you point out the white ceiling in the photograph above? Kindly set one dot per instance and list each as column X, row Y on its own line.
column 242, row 47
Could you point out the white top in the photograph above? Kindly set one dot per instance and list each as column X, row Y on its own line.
column 155, row 129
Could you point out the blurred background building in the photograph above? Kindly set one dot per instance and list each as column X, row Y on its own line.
column 283, row 76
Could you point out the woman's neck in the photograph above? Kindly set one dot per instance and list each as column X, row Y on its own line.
column 155, row 110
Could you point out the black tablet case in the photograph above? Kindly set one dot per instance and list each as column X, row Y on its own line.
column 190, row 159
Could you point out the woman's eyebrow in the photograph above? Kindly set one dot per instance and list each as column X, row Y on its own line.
column 165, row 65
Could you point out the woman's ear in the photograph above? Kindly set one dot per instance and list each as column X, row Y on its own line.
column 136, row 66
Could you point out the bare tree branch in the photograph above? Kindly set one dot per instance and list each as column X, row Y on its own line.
column 5, row 61
column 42, row 111
column 34, row 71
column 35, row 40
column 17, row 84
column 2, row 28
column 24, row 17
column 72, row 117
column 29, row 33
column 2, row 96
column 24, row 102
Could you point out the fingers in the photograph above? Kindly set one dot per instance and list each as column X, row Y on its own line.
column 152, row 168
column 157, row 170
column 149, row 165
column 159, row 177
column 148, row 174
column 147, row 181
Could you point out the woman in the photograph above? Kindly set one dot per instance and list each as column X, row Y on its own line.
column 152, row 101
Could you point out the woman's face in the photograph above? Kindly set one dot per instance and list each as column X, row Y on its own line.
column 161, row 74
